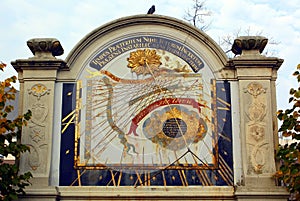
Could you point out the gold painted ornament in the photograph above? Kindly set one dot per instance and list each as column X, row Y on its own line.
column 144, row 62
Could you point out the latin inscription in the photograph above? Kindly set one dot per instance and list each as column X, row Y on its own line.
column 142, row 42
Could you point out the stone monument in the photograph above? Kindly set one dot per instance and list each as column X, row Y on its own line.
column 148, row 107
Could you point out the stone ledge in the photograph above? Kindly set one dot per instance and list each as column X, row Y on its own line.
column 46, row 64
column 69, row 193
column 146, row 193
column 263, row 194
column 48, row 193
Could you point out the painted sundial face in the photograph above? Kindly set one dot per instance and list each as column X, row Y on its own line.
column 145, row 107
column 147, row 104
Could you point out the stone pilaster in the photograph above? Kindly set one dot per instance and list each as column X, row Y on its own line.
column 256, row 75
column 37, row 77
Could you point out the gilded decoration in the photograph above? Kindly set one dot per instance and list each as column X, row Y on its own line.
column 144, row 61
column 38, row 90
column 162, row 111
column 146, row 110
column 174, row 128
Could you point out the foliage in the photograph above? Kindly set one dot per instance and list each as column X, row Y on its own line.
column 11, row 182
column 289, row 154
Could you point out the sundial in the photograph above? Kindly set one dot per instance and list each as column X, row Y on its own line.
column 149, row 112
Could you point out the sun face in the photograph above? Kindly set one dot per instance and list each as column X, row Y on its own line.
column 144, row 61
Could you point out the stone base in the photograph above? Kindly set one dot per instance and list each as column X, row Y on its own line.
column 146, row 193
column 82, row 193
column 38, row 182
column 260, row 181
column 261, row 194
column 49, row 193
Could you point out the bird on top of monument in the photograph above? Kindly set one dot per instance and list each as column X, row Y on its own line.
column 151, row 10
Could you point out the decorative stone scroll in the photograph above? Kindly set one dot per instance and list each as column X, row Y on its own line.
column 257, row 144
column 37, row 139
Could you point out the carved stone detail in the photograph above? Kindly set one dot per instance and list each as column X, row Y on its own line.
column 34, row 159
column 256, row 129
column 38, row 90
column 37, row 133
column 45, row 47
column 255, row 89
column 39, row 113
column 257, row 132
column 257, row 147
column 256, row 112
column 249, row 45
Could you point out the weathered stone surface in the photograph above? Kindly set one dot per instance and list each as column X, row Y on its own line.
column 247, row 45
column 45, row 47
column 37, row 78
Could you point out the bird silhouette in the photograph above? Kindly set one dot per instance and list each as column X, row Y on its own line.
column 151, row 10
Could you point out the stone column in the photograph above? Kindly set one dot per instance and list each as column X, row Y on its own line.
column 256, row 75
column 37, row 77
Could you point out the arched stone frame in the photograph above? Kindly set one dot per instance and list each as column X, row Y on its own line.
column 206, row 47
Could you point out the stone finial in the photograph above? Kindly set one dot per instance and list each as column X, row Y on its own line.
column 45, row 47
column 249, row 45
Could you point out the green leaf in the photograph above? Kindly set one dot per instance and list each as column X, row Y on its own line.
column 292, row 91
column 297, row 93
column 289, row 155
column 11, row 181
column 296, row 136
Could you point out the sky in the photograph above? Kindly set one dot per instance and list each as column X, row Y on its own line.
column 70, row 20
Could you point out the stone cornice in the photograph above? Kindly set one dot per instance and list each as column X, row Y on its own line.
column 250, row 63
column 45, row 64
column 266, row 62
column 257, row 68
column 44, row 50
